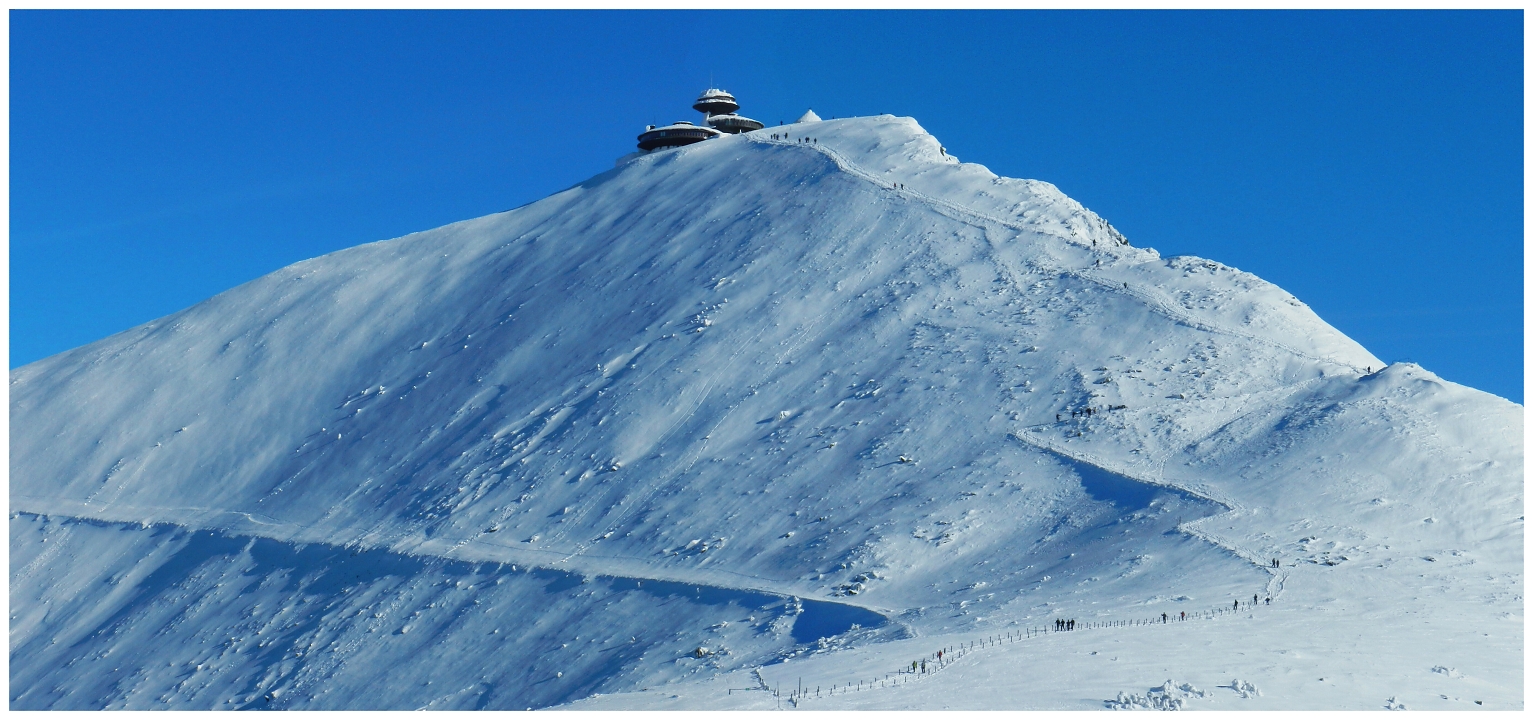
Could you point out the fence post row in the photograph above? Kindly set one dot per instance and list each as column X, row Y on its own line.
column 940, row 661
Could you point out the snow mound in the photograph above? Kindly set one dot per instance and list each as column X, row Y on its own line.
column 1244, row 688
column 1166, row 696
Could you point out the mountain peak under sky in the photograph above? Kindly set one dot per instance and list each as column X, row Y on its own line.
column 818, row 394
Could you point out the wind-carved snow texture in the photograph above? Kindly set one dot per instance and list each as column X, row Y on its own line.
column 745, row 414
column 296, row 622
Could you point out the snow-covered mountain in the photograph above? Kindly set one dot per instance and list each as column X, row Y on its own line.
column 801, row 405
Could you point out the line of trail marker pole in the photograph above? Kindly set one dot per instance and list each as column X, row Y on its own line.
column 993, row 640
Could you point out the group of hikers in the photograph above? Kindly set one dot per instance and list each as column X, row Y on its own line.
column 1061, row 625
column 1254, row 598
column 1065, row 625
column 816, row 141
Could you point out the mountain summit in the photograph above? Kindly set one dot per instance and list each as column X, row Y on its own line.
column 817, row 397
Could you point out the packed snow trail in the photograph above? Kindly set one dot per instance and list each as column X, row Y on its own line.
column 962, row 212
column 192, row 520
column 934, row 662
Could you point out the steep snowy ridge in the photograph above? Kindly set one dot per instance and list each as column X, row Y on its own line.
column 1227, row 301
column 756, row 387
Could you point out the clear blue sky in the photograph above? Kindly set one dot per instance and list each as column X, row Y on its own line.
column 1368, row 162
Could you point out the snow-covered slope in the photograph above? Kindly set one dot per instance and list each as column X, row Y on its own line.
column 720, row 406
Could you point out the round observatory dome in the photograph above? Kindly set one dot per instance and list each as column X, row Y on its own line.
column 718, row 108
column 674, row 135
column 714, row 101
column 733, row 124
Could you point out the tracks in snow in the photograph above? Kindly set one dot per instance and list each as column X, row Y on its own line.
column 931, row 665
column 967, row 214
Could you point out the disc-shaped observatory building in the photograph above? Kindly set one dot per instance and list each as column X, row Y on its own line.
column 718, row 108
